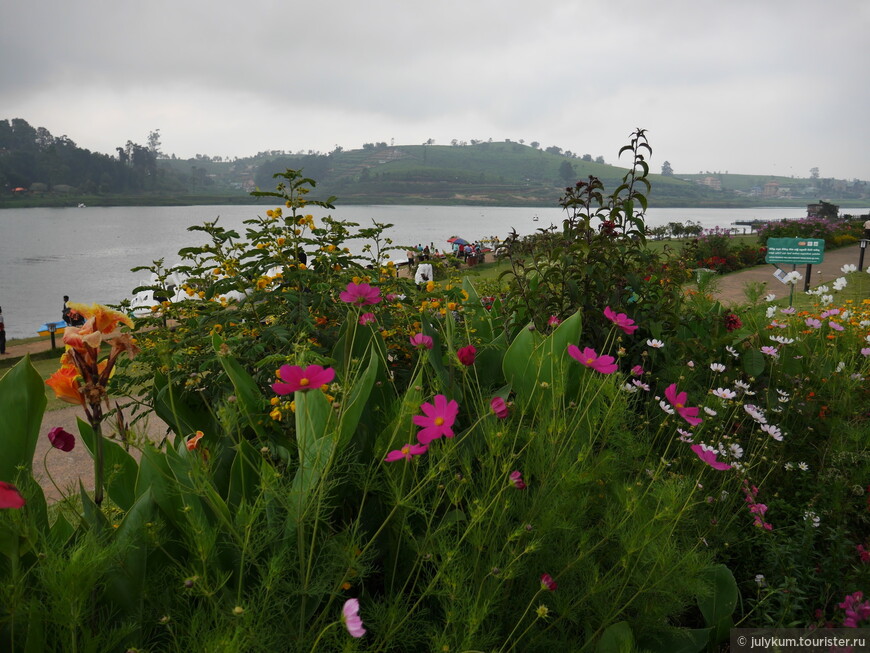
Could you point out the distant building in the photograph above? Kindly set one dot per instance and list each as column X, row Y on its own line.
column 712, row 182
column 771, row 189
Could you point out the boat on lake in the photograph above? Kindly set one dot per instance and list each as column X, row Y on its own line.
column 46, row 329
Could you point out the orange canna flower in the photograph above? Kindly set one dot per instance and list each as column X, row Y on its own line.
column 105, row 320
column 65, row 383
column 193, row 440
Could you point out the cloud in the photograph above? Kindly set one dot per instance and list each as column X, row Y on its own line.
column 741, row 86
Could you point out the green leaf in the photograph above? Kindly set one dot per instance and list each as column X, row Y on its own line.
column 753, row 363
column 357, row 399
column 718, row 606
column 120, row 469
column 618, row 638
column 250, row 399
column 244, row 475
column 22, row 405
column 681, row 640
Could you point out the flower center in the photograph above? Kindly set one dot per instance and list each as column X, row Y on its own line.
column 439, row 421
column 678, row 406
column 303, row 381
column 589, row 361
column 406, row 448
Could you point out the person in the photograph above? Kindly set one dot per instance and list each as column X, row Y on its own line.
column 2, row 333
column 410, row 254
column 65, row 312
column 423, row 275
column 426, row 253
column 867, row 229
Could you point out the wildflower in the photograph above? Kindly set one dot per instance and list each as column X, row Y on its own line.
column 367, row 318
column 835, row 326
column 499, row 407
column 760, row 581
column 854, row 608
column 438, row 420
column 812, row 517
column 406, row 452
column 589, row 358
column 193, row 440
column 772, row 431
column 813, row 323
column 724, row 393
column 678, row 401
column 10, row 497
column 60, row 439
column 655, row 344
column 770, row 351
column 350, row 617
column 735, row 450
column 628, row 387
column 554, row 321
column 547, row 583
column 637, row 370
column 769, row 298
column 640, row 384
column 516, row 479
column 360, row 294
column 710, row 411
column 782, row 340
column 717, row 367
column 298, row 379
column 840, row 283
column 732, row 322
column 732, row 351
column 803, row 467
column 848, row 267
column 778, row 325
column 621, row 320
column 865, row 351
column 771, row 311
column 685, row 436
column 792, row 277
column 708, row 455
column 863, row 553
column 791, row 310
column 665, row 406
column 466, row 355
column 690, row 364
column 542, row 611
column 421, row 341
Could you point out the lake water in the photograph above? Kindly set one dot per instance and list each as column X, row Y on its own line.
column 87, row 253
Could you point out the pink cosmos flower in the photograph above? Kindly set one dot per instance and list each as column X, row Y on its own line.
column 554, row 321
column 770, row 351
column 350, row 617
column 678, row 401
column 296, row 378
column 360, row 294
column 835, row 326
column 466, row 355
column 367, row 318
column 621, row 320
column 438, row 420
column 406, row 452
column 865, row 351
column 547, row 583
column 854, row 609
column 637, row 370
column 516, row 479
column 813, row 323
column 60, row 439
column 708, row 455
column 10, row 497
column 420, row 341
column 589, row 358
column 499, row 407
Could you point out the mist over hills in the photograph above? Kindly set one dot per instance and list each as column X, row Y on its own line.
column 37, row 168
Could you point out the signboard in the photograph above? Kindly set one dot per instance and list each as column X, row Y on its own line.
column 796, row 251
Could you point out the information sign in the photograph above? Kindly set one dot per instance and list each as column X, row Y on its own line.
column 796, row 251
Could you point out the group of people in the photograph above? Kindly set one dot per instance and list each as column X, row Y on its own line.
column 2, row 333
column 70, row 317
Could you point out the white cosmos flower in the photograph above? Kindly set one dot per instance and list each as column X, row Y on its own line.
column 821, row 290
column 655, row 344
column 629, row 388
column 864, row 323
column 710, row 411
column 717, row 367
column 742, row 385
column 666, row 407
column 724, row 393
column 793, row 277
column 840, row 366
column 782, row 340
column 685, row 436
column 736, row 450
column 788, row 467
column 788, row 311
column 803, row 467
column 772, row 431
column 732, row 351
column 810, row 516
column 770, row 297
column 846, row 269
column 840, row 283
column 755, row 413
column 640, row 384
column 771, row 311
column 827, row 299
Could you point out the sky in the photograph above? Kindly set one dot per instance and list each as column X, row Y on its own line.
column 753, row 87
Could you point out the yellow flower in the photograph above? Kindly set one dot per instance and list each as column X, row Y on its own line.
column 451, row 306
column 280, row 241
column 430, row 286
column 216, row 271
column 302, row 266
column 275, row 414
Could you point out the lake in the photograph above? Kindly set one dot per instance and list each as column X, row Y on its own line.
column 87, row 253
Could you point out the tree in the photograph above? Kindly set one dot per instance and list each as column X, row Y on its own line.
column 587, row 158
column 154, row 144
column 814, row 173
column 599, row 159
column 535, row 145
column 667, row 170
column 567, row 172
column 554, row 149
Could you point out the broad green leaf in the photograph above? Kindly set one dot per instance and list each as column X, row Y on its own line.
column 357, row 399
column 718, row 606
column 682, row 640
column 22, row 404
column 120, row 469
column 753, row 362
column 250, row 399
column 618, row 638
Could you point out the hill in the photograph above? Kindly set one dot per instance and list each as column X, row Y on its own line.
column 37, row 169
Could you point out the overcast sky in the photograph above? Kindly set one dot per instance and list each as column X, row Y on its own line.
column 755, row 87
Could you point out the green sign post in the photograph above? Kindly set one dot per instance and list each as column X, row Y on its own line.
column 796, row 251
